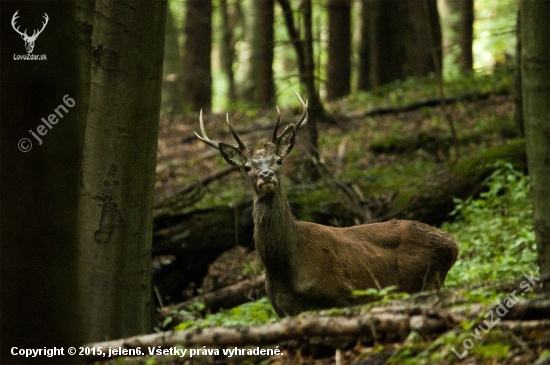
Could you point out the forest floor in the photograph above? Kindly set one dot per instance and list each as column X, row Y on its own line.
column 380, row 152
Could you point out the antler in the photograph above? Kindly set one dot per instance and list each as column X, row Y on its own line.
column 204, row 137
column 43, row 26
column 241, row 146
column 13, row 19
column 35, row 34
column 299, row 124
column 303, row 118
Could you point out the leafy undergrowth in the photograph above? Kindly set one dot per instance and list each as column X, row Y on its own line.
column 495, row 230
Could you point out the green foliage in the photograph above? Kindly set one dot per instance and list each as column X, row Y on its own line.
column 493, row 350
column 495, row 230
column 252, row 313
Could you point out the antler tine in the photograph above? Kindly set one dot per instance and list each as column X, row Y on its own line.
column 44, row 23
column 242, row 146
column 204, row 137
column 303, row 118
column 275, row 138
column 16, row 27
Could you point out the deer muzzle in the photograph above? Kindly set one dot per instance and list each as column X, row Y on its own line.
column 267, row 180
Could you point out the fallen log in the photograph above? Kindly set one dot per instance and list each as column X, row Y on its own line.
column 379, row 324
column 429, row 102
column 188, row 195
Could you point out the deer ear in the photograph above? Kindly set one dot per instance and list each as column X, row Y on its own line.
column 286, row 141
column 232, row 155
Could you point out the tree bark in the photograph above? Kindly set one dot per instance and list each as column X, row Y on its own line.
column 227, row 53
column 422, row 39
column 197, row 77
column 118, row 173
column 388, row 25
column 85, row 20
column 364, row 79
column 39, row 184
column 339, row 49
column 535, row 70
column 466, row 34
column 262, row 52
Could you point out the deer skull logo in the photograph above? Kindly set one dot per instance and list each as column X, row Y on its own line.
column 29, row 40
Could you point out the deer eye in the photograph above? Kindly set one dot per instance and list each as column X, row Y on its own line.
column 247, row 168
column 279, row 161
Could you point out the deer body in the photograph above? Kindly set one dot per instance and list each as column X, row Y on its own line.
column 310, row 266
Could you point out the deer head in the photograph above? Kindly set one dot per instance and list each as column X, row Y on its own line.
column 262, row 166
column 29, row 40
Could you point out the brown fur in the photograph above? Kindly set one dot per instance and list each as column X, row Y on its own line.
column 310, row 266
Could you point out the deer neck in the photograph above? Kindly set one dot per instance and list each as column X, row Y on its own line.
column 275, row 232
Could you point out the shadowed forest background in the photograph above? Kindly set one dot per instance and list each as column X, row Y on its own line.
column 119, row 222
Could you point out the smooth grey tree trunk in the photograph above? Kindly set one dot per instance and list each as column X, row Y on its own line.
column 118, row 173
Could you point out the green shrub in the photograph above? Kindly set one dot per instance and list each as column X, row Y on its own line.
column 495, row 230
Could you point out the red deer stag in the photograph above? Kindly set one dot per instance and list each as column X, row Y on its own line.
column 310, row 266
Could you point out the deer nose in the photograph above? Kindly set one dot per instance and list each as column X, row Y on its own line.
column 266, row 175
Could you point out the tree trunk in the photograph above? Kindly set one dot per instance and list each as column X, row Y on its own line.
column 535, row 70
column 227, row 53
column 387, row 30
column 339, row 49
column 262, row 52
column 118, row 173
column 466, row 34
column 39, row 167
column 422, row 39
column 171, row 101
column 197, row 77
column 316, row 111
column 457, row 20
column 306, row 67
column 85, row 20
column 364, row 80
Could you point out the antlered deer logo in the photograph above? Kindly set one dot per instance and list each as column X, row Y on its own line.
column 29, row 40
